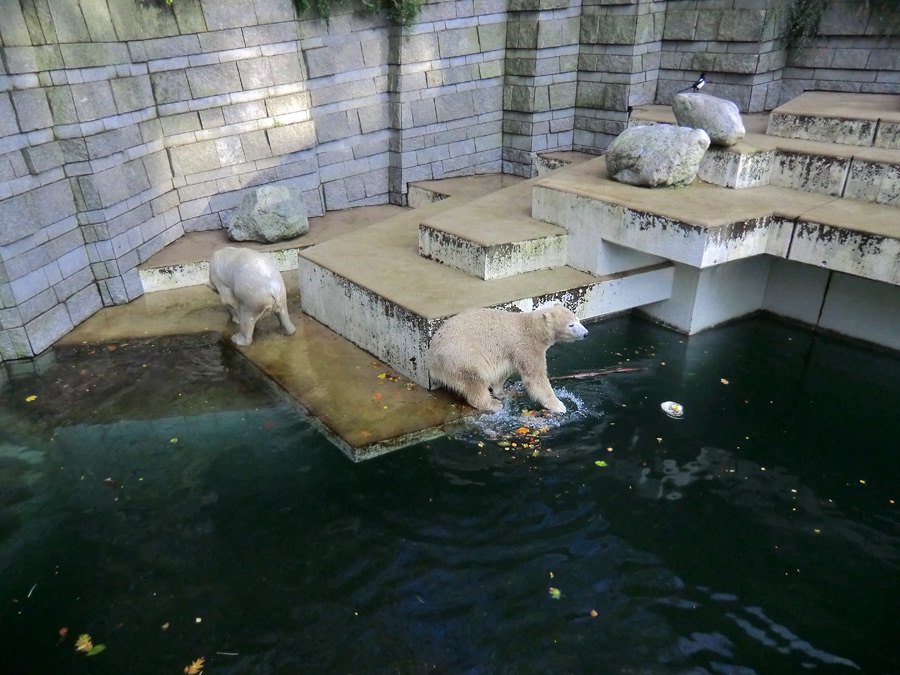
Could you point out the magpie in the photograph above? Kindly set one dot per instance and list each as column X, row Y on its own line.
column 698, row 85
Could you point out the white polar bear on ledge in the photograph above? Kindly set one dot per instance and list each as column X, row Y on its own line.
column 250, row 285
column 475, row 352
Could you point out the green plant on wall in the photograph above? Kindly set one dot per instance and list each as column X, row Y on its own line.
column 805, row 18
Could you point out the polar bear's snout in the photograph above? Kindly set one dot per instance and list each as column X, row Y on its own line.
column 577, row 330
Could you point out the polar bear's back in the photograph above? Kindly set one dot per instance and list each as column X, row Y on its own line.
column 480, row 343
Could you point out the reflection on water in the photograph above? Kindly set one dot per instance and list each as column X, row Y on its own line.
column 191, row 512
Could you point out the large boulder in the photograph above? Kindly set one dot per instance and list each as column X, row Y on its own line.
column 268, row 214
column 718, row 117
column 656, row 155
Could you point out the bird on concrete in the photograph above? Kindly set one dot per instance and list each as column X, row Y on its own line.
column 698, row 85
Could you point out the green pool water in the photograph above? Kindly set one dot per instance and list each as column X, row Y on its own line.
column 164, row 499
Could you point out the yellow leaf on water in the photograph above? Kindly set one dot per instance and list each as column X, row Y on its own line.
column 600, row 462
column 195, row 668
column 174, row 440
column 382, row 376
column 554, row 593
column 31, row 398
column 593, row 612
column 723, row 381
column 84, row 644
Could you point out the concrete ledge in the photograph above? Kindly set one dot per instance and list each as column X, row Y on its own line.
column 703, row 225
column 835, row 117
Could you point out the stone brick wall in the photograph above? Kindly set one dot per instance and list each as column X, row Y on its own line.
column 855, row 53
column 126, row 123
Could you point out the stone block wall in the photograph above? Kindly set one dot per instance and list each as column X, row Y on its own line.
column 855, row 53
column 740, row 45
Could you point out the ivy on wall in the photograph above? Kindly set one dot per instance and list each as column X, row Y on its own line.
column 805, row 18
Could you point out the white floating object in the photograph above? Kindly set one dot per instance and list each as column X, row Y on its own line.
column 672, row 409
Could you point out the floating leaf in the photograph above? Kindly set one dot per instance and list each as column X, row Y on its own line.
column 554, row 593
column 174, row 440
column 723, row 381
column 83, row 643
column 593, row 612
column 522, row 430
column 63, row 631
column 31, row 398
column 376, row 397
column 195, row 668
column 600, row 462
column 96, row 650
column 165, row 626
column 382, row 376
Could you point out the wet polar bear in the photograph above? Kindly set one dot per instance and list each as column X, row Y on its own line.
column 250, row 285
column 475, row 352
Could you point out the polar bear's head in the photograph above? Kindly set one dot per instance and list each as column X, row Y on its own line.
column 564, row 325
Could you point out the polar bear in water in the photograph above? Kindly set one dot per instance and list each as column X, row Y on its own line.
column 250, row 285
column 475, row 352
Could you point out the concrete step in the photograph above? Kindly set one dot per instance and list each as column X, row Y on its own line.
column 493, row 237
column 705, row 225
column 373, row 288
column 868, row 120
column 868, row 174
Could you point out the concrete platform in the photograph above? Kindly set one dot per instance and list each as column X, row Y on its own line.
column 363, row 405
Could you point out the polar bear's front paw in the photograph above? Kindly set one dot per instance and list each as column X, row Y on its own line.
column 494, row 406
column 556, row 406
column 240, row 340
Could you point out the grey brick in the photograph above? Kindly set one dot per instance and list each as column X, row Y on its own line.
column 417, row 48
column 212, row 118
column 62, row 105
column 8, row 125
column 454, row 106
column 134, row 21
column 189, row 16
column 194, row 158
column 219, row 78
column 84, row 304
column 74, row 283
column 204, row 223
column 458, row 42
column 286, row 68
column 98, row 21
column 216, row 41
column 292, row 137
column 230, row 150
column 337, row 125
column 333, row 59
column 14, row 344
column 157, row 167
column 132, row 93
column 283, row 105
column 229, row 14
column 13, row 30
column 135, row 176
column 374, row 118
column 68, row 22
column 19, row 218
column 47, row 328
column 255, row 73
column 180, row 124
column 54, row 202
column 93, row 100
column 245, row 112
column 43, row 157
column 170, row 86
column 111, row 142
column 92, row 54
column 37, row 305
column 255, row 145
column 269, row 34
column 274, row 11
column 32, row 109
column 10, row 318
column 30, row 285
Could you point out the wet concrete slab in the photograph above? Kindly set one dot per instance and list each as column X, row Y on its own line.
column 360, row 403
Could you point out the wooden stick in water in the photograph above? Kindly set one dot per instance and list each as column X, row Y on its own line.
column 596, row 373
